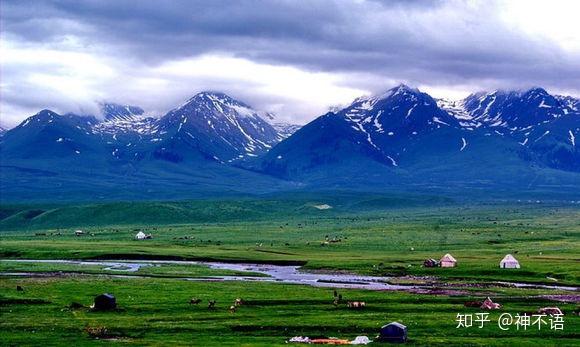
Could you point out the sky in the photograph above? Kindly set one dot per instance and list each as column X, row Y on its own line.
column 294, row 58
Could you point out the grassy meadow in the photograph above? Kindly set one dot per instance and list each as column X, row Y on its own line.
column 377, row 236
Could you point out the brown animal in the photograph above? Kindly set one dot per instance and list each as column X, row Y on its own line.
column 550, row 310
column 472, row 304
column 357, row 305
column 19, row 289
column 238, row 302
column 211, row 304
column 194, row 301
column 488, row 304
column 233, row 309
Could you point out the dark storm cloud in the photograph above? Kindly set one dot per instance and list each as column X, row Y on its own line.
column 420, row 42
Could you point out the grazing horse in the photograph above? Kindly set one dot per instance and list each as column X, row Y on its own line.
column 233, row 309
column 211, row 304
column 194, row 301
column 238, row 302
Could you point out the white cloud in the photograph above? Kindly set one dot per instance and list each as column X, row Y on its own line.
column 549, row 21
column 70, row 81
column 43, row 77
column 307, row 94
column 280, row 57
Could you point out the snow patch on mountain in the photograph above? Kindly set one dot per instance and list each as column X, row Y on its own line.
column 572, row 104
column 392, row 160
column 457, row 110
column 463, row 145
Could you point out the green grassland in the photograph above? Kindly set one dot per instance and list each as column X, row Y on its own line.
column 379, row 236
column 157, row 312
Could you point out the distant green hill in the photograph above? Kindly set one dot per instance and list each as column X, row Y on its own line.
column 40, row 216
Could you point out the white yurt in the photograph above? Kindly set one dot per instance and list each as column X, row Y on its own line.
column 140, row 236
column 448, row 261
column 509, row 262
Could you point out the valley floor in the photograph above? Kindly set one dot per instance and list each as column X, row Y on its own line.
column 154, row 306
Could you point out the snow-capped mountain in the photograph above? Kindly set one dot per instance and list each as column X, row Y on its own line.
column 514, row 109
column 50, row 135
column 218, row 127
column 210, row 125
column 405, row 136
column 124, row 119
column 128, row 155
column 400, row 138
column 383, row 128
column 547, row 125
column 401, row 110
column 571, row 103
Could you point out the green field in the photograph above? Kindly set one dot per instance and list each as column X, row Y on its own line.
column 378, row 236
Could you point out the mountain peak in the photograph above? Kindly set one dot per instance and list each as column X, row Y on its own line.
column 534, row 91
column 537, row 91
column 403, row 88
column 370, row 100
column 223, row 126
column 514, row 109
column 46, row 113
column 42, row 117
column 218, row 103
column 215, row 96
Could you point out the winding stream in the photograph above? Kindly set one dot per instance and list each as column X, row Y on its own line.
column 274, row 273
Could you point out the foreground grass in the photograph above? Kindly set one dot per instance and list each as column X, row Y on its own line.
column 157, row 312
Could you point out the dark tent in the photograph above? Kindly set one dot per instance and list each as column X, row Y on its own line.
column 105, row 302
column 393, row 332
column 430, row 263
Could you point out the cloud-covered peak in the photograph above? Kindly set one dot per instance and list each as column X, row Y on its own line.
column 123, row 112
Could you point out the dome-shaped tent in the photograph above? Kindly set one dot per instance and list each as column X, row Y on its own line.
column 393, row 332
column 105, row 302
column 509, row 262
column 448, row 261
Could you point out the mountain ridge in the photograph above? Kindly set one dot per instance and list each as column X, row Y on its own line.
column 400, row 139
column 422, row 140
